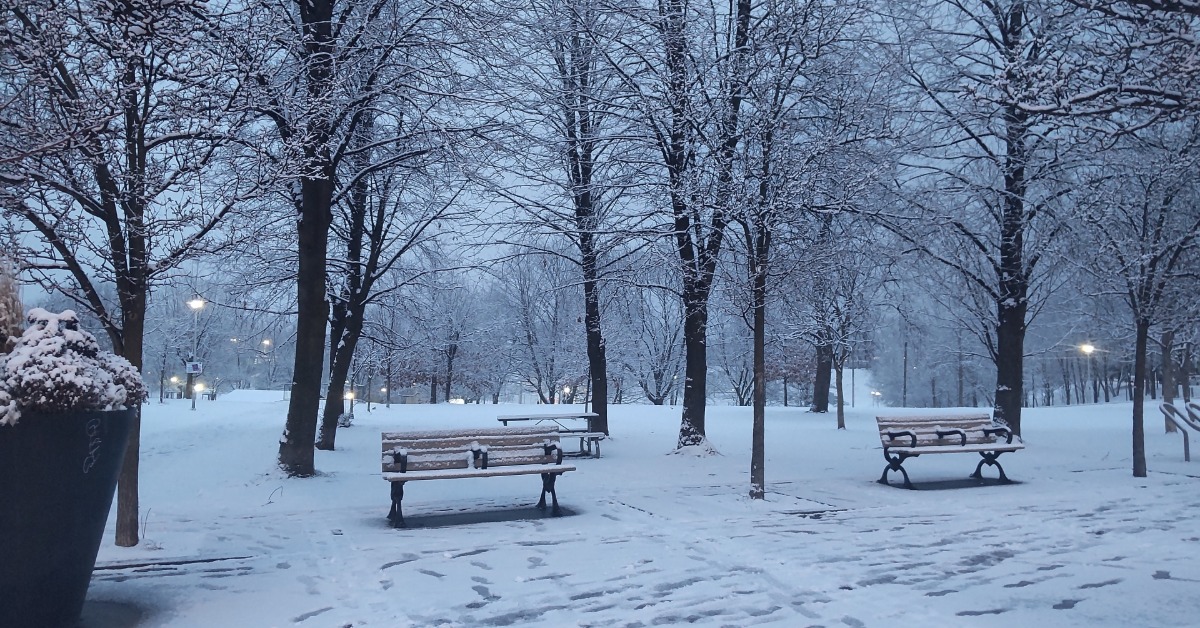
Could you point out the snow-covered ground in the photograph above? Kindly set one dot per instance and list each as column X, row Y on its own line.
column 652, row 538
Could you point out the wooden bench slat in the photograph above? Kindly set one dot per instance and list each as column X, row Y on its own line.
column 955, row 449
column 932, row 439
column 474, row 433
column 413, row 476
column 427, row 465
column 463, row 444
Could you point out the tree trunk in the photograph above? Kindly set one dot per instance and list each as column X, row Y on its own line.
column 1064, row 365
column 1185, row 372
column 133, row 329
column 1012, row 274
column 316, row 195
column 1010, row 346
column 959, row 376
column 335, row 393
column 1139, row 397
column 433, row 383
column 841, row 407
column 758, row 296
column 596, row 353
column 1168, row 373
column 821, row 381
column 451, row 353
column 695, row 372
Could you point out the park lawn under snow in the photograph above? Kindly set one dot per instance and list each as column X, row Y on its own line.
column 652, row 538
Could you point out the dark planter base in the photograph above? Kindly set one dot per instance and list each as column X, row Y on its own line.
column 58, row 474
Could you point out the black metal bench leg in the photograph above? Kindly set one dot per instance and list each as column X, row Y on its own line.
column 894, row 464
column 548, row 487
column 396, row 515
column 989, row 459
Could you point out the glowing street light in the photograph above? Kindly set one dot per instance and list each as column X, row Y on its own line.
column 1088, row 349
column 196, row 304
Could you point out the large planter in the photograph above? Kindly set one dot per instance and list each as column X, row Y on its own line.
column 58, row 473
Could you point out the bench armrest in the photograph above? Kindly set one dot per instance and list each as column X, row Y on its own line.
column 908, row 433
column 399, row 456
column 999, row 431
column 479, row 455
column 550, row 446
column 961, row 434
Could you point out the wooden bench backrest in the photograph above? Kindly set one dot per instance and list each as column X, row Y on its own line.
column 455, row 449
column 926, row 428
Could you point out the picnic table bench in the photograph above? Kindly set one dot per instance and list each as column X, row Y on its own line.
column 568, row 425
column 906, row 437
column 471, row 453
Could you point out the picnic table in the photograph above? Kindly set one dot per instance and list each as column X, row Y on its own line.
column 579, row 425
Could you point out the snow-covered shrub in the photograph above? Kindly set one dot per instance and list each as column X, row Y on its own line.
column 345, row 419
column 57, row 367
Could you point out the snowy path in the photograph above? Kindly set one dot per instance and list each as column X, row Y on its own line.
column 668, row 540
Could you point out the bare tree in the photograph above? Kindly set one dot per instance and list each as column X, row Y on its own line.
column 649, row 339
column 991, row 142
column 119, row 143
column 317, row 74
column 1142, row 212
column 686, row 68
column 545, row 321
column 566, row 160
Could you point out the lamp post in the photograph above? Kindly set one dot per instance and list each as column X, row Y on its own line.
column 566, row 391
column 1088, row 349
column 266, row 343
column 196, row 304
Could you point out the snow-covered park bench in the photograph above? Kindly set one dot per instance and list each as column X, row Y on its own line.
column 472, row 453
column 1182, row 422
column 906, row 437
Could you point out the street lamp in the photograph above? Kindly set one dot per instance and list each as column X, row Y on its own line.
column 270, row 358
column 196, row 304
column 350, row 397
column 1088, row 349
